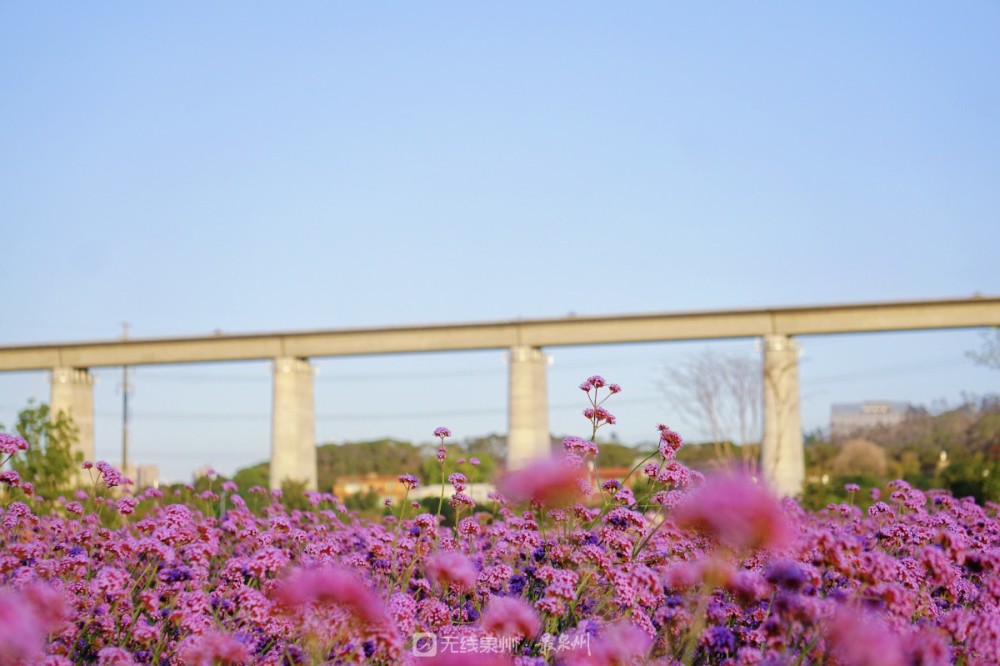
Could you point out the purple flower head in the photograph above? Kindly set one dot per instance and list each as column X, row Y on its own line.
column 441, row 454
column 579, row 446
column 126, row 505
column 111, row 476
column 10, row 478
column 442, row 432
column 670, row 442
column 9, row 444
column 596, row 381
column 459, row 498
column 599, row 415
column 409, row 481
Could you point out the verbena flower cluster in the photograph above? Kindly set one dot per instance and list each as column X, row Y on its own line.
column 664, row 566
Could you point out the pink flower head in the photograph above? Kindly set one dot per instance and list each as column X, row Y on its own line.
column 26, row 616
column 442, row 432
column 615, row 388
column 596, row 381
column 9, row 444
column 453, row 569
column 331, row 585
column 114, row 656
column 618, row 643
column 734, row 511
column 212, row 647
column 551, row 482
column 851, row 487
column 859, row 639
column 10, row 478
column 510, row 616
column 441, row 454
column 473, row 461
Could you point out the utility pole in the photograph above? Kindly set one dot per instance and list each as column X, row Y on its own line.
column 126, row 388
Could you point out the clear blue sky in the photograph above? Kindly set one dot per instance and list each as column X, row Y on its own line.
column 241, row 166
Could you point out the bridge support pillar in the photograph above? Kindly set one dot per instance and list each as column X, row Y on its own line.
column 782, row 456
column 72, row 393
column 528, row 407
column 293, row 424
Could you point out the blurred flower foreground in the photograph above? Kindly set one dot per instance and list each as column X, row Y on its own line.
column 662, row 566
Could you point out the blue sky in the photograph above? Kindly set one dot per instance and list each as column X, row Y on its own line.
column 259, row 166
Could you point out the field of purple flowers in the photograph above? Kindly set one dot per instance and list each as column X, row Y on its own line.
column 564, row 568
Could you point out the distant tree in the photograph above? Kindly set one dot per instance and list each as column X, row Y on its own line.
column 721, row 396
column 617, row 455
column 860, row 457
column 366, row 503
column 257, row 475
column 382, row 456
column 51, row 462
column 989, row 353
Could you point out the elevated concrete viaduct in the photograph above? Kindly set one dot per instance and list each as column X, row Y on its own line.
column 293, row 446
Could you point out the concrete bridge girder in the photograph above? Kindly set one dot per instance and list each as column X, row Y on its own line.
column 293, row 428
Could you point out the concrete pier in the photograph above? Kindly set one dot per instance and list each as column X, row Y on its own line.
column 528, row 406
column 293, row 429
column 72, row 393
column 782, row 456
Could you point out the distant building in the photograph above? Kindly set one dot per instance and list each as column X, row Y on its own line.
column 386, row 486
column 478, row 492
column 144, row 476
column 849, row 418
column 203, row 471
